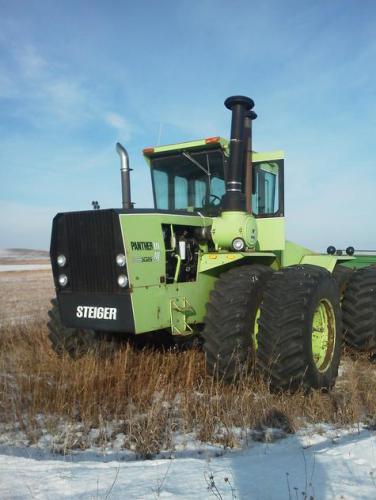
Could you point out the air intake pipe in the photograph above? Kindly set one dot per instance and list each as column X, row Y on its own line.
column 125, row 176
column 234, row 199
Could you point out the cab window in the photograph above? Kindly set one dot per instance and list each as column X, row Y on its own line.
column 267, row 200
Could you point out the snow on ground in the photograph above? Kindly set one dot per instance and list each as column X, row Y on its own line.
column 23, row 259
column 22, row 254
column 23, row 267
column 331, row 464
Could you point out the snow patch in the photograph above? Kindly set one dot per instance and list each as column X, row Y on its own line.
column 23, row 267
column 22, row 254
column 331, row 464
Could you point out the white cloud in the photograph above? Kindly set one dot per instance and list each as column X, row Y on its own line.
column 31, row 63
column 68, row 99
column 119, row 123
column 115, row 120
column 52, row 94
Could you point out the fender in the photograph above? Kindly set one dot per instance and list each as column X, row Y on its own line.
column 210, row 261
column 326, row 261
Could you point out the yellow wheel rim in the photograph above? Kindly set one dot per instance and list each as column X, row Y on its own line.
column 323, row 335
column 256, row 330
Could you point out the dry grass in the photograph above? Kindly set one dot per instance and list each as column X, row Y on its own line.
column 150, row 396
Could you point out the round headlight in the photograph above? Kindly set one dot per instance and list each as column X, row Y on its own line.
column 61, row 260
column 238, row 244
column 63, row 279
column 122, row 280
column 120, row 260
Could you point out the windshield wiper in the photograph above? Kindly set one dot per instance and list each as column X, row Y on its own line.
column 195, row 162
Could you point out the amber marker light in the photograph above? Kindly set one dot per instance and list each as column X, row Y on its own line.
column 209, row 140
column 148, row 151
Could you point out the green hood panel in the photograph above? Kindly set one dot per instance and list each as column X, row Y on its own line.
column 144, row 244
column 155, row 304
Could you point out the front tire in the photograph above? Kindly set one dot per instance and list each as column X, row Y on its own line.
column 231, row 319
column 76, row 342
column 300, row 329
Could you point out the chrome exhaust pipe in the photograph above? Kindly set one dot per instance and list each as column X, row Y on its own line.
column 125, row 176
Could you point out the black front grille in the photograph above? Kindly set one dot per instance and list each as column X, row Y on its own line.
column 91, row 241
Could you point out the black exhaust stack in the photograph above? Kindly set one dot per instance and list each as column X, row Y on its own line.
column 125, row 176
column 234, row 199
column 247, row 179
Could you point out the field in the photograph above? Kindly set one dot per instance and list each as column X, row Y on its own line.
column 142, row 404
column 24, row 296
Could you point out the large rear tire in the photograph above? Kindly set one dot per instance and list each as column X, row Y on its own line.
column 76, row 342
column 359, row 309
column 232, row 319
column 300, row 329
column 342, row 275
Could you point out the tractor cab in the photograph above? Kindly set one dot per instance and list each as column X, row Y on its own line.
column 191, row 176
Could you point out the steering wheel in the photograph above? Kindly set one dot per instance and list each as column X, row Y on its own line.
column 212, row 199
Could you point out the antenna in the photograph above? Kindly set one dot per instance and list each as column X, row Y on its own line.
column 160, row 133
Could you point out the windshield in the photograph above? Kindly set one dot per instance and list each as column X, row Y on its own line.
column 189, row 181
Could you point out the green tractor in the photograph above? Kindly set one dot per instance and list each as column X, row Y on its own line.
column 210, row 260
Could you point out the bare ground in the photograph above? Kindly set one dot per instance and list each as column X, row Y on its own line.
column 25, row 295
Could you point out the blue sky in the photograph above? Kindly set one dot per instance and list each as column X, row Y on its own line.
column 77, row 76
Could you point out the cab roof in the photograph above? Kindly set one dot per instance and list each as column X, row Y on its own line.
column 208, row 143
